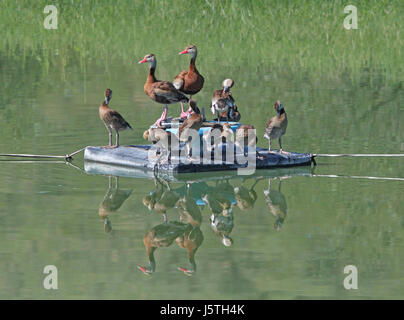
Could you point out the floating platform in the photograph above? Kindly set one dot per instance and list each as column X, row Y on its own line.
column 98, row 168
column 138, row 156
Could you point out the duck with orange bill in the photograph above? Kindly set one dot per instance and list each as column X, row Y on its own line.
column 163, row 92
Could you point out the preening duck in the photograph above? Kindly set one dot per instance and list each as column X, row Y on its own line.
column 160, row 91
column 276, row 126
column 223, row 101
column 189, row 81
column 112, row 119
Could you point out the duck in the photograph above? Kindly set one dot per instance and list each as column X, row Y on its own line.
column 217, row 134
column 168, row 141
column 222, row 100
column 276, row 126
column 244, row 139
column 193, row 122
column 113, row 200
column 112, row 119
column 189, row 81
column 163, row 92
column 276, row 204
column 162, row 235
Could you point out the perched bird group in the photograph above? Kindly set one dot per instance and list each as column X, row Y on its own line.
column 190, row 82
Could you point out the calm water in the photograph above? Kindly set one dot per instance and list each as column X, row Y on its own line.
column 293, row 231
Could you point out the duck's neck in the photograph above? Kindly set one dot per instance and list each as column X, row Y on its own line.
column 105, row 102
column 192, row 66
column 151, row 77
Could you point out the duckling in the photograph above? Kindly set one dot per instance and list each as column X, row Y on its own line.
column 276, row 126
column 193, row 122
column 169, row 141
column 112, row 119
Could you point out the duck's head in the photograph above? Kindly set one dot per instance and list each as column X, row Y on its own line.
column 191, row 49
column 108, row 95
column 227, row 84
column 150, row 58
column 278, row 106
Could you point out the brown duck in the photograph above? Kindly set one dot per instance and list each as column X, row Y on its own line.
column 222, row 100
column 276, row 126
column 189, row 81
column 160, row 91
column 112, row 119
column 193, row 122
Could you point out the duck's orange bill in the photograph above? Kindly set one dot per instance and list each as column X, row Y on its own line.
column 184, row 52
column 143, row 61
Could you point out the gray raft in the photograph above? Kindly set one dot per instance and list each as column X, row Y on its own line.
column 138, row 156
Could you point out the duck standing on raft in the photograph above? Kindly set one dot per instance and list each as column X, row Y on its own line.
column 276, row 126
column 189, row 81
column 223, row 101
column 160, row 91
column 112, row 119
column 193, row 122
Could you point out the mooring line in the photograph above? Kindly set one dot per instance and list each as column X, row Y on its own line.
column 358, row 155
column 356, row 177
column 66, row 157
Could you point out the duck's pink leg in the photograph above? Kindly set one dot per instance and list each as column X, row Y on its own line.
column 183, row 114
column 163, row 117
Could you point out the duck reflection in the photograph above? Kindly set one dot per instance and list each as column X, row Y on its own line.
column 245, row 198
column 113, row 200
column 186, row 232
column 276, row 204
column 221, row 220
column 162, row 198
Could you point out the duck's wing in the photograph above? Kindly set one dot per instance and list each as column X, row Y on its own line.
column 179, row 80
column 118, row 121
column 167, row 91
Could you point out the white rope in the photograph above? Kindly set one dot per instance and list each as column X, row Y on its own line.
column 358, row 155
column 41, row 156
